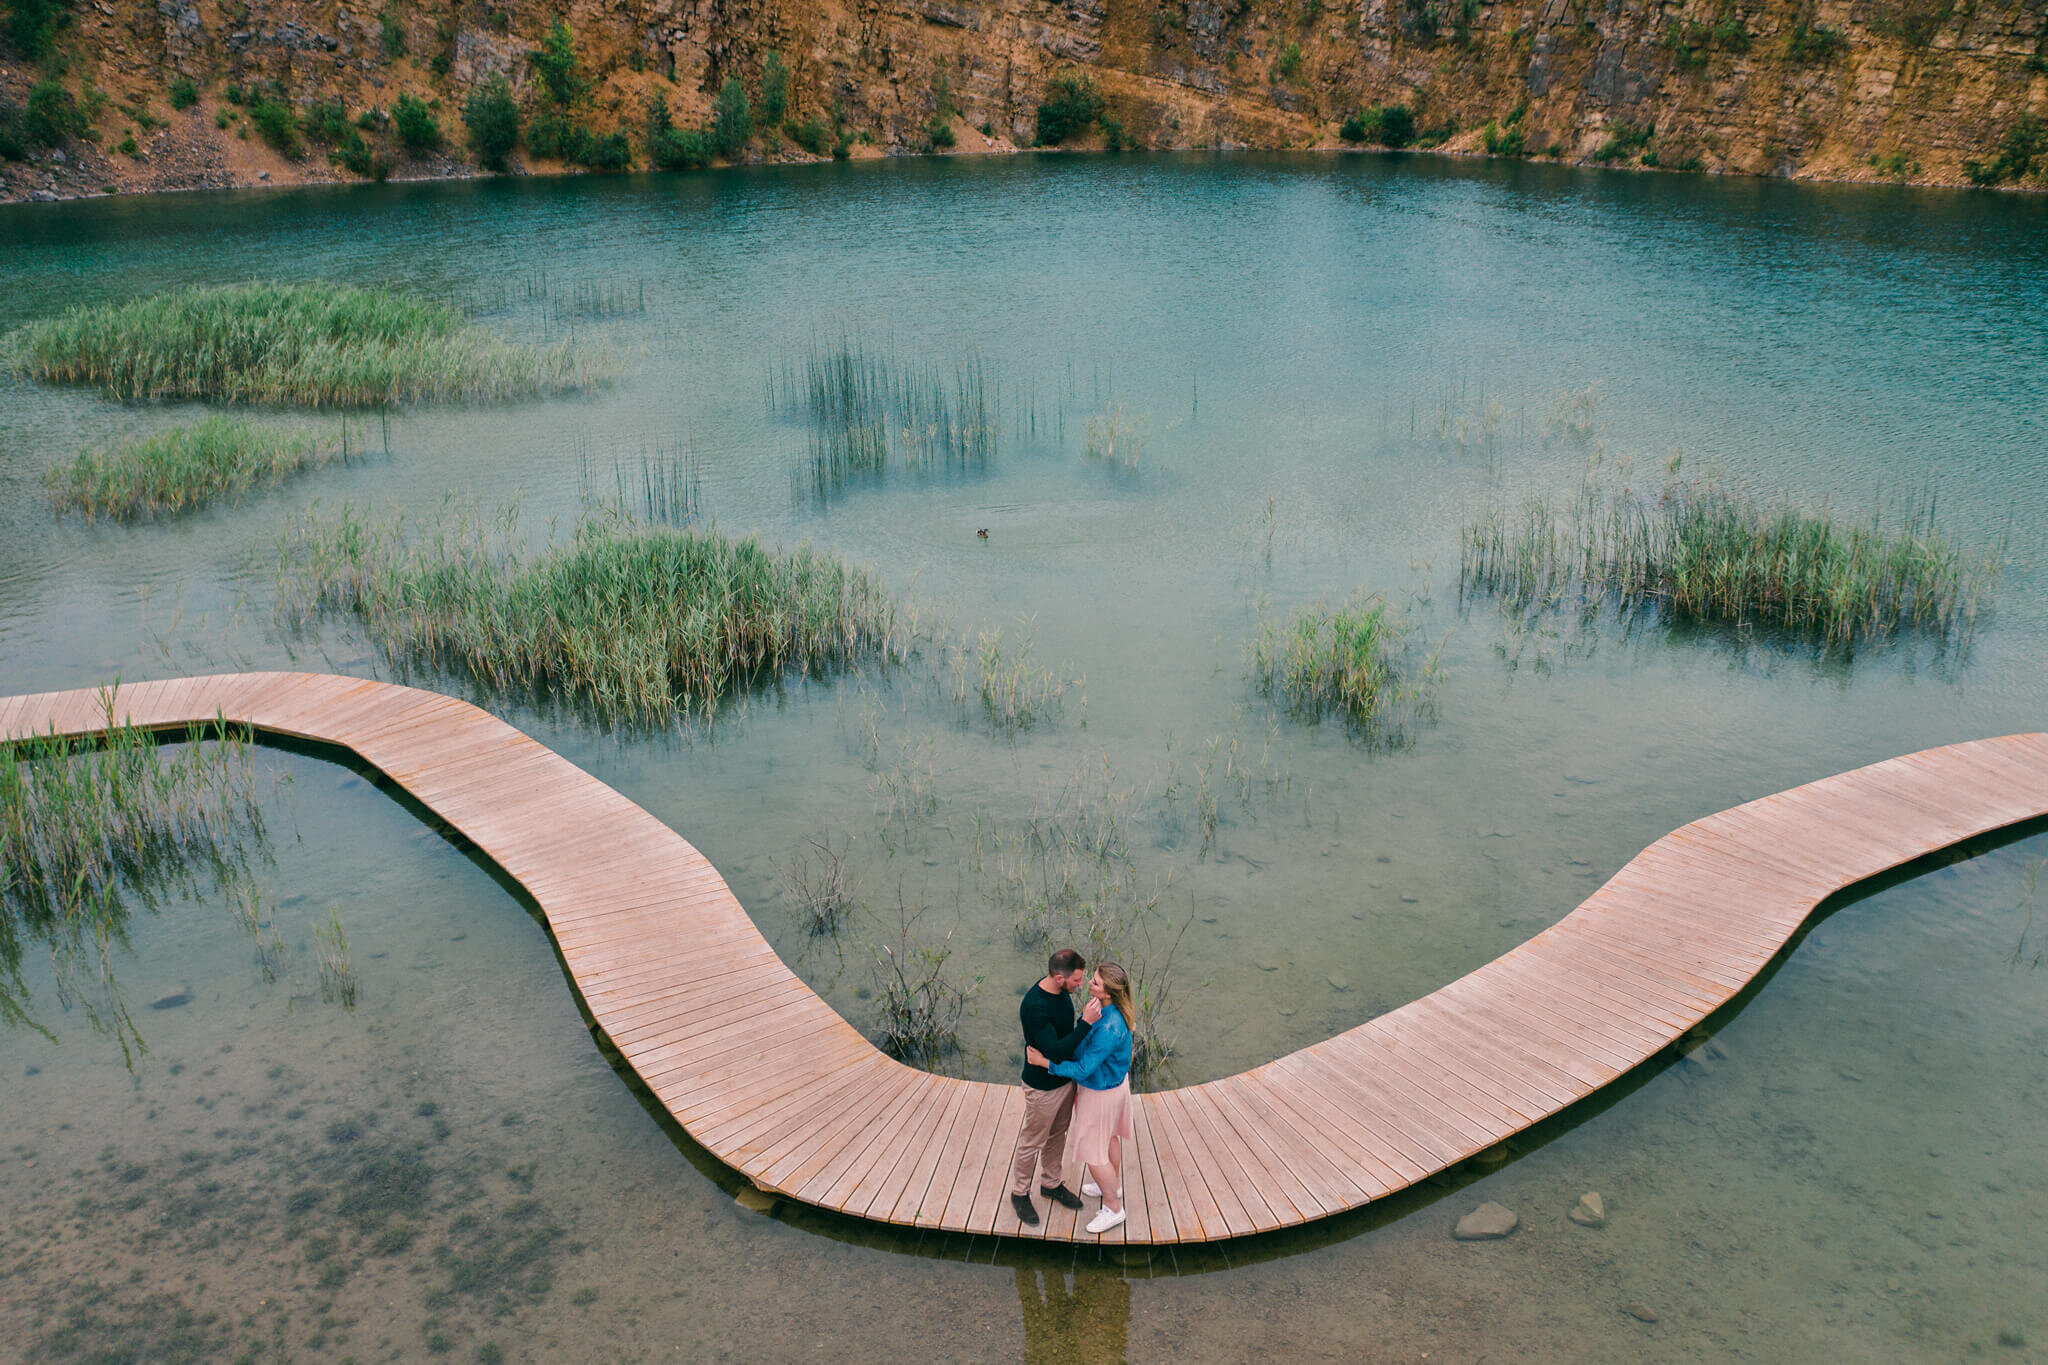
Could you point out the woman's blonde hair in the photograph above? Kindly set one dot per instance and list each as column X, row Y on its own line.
column 1116, row 983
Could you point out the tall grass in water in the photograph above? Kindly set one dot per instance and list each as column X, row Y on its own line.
column 89, row 827
column 663, row 489
column 870, row 411
column 642, row 625
column 1702, row 552
column 184, row 467
column 1000, row 674
column 1352, row 659
column 319, row 345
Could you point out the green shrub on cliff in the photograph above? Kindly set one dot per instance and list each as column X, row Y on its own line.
column 1071, row 105
column 416, row 125
column 558, row 68
column 1815, row 43
column 53, row 115
column 2025, row 143
column 184, row 93
column 774, row 90
column 493, row 122
column 1382, row 125
column 278, row 125
column 732, row 122
column 33, row 25
column 671, row 148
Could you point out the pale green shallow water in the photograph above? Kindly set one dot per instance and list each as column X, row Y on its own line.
column 1861, row 1175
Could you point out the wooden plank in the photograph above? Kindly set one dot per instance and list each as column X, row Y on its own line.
column 984, row 1144
column 1161, row 1222
column 991, row 1197
column 898, row 1200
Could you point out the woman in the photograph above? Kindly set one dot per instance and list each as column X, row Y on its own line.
column 1101, row 1071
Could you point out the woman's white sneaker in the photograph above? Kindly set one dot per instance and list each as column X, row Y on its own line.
column 1094, row 1191
column 1104, row 1220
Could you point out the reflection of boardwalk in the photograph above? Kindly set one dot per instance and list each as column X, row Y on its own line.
column 772, row 1081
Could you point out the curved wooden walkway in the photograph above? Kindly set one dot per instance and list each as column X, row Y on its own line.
column 773, row 1082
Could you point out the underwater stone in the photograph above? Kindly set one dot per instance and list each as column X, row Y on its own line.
column 1590, row 1211
column 1485, row 1223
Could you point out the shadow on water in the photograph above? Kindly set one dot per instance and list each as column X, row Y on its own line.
column 1072, row 1294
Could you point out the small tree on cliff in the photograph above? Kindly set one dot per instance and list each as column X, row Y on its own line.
column 774, row 90
column 493, row 121
column 556, row 64
column 1072, row 103
column 732, row 122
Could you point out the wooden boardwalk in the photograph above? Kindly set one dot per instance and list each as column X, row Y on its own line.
column 773, row 1082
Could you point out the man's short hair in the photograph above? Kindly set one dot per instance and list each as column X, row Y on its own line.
column 1063, row 962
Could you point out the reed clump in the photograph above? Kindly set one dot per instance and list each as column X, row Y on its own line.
column 182, row 468
column 644, row 625
column 1702, row 552
column 998, row 673
column 1351, row 658
column 317, row 344
column 91, row 827
column 870, row 411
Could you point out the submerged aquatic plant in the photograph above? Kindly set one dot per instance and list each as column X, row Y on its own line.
column 318, row 344
column 1352, row 659
column 89, row 827
column 1701, row 552
column 642, row 625
column 184, row 467
column 337, row 972
column 918, row 1005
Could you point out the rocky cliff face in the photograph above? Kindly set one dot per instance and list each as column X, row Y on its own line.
column 1858, row 89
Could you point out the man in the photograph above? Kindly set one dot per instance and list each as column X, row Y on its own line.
column 1048, row 1018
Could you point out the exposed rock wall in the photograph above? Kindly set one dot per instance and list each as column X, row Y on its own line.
column 1910, row 89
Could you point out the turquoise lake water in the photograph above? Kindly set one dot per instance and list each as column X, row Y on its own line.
column 1329, row 366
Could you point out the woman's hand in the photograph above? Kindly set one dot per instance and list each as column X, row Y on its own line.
column 1092, row 1011
column 1034, row 1056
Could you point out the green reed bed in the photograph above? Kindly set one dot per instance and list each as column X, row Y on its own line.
column 1352, row 659
column 870, row 411
column 1702, row 552
column 644, row 625
column 88, row 827
column 319, row 345
column 184, row 467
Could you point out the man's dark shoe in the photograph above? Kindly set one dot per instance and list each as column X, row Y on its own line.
column 1061, row 1195
column 1027, row 1213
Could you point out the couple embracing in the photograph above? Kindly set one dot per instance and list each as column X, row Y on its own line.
column 1077, row 1088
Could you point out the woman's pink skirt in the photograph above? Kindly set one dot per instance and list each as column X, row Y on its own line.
column 1099, row 1115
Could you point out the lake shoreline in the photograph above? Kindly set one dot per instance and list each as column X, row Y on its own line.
column 17, row 191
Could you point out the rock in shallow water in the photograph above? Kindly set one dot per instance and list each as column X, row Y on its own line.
column 1590, row 1211
column 1486, row 1223
column 1640, row 1312
column 754, row 1198
column 171, row 1002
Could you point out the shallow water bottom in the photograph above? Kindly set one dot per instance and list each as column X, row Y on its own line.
column 1852, row 1168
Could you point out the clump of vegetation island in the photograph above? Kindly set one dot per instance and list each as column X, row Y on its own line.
column 641, row 625
column 88, row 826
column 1702, row 552
column 1351, row 659
column 182, row 468
column 319, row 345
